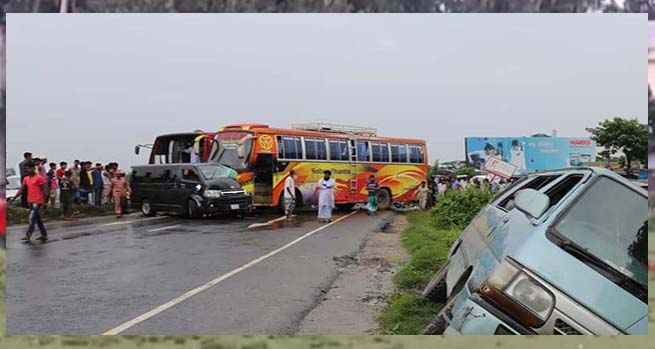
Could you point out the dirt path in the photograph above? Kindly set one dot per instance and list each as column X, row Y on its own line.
column 351, row 305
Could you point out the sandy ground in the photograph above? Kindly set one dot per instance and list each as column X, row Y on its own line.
column 351, row 304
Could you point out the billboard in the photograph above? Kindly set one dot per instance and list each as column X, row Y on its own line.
column 530, row 154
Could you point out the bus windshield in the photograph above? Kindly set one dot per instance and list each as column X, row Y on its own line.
column 232, row 149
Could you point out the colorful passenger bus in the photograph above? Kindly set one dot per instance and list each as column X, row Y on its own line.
column 171, row 148
column 263, row 156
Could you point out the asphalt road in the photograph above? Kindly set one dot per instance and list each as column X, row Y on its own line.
column 133, row 276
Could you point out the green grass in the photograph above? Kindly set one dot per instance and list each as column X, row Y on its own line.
column 407, row 312
column 18, row 215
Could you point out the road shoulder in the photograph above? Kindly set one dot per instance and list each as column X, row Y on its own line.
column 352, row 303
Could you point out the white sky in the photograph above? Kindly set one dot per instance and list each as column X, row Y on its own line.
column 91, row 86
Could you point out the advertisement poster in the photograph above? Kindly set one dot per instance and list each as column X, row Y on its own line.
column 531, row 154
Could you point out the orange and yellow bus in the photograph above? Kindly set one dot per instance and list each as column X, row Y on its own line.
column 263, row 157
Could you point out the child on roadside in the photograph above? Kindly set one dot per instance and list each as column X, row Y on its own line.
column 120, row 189
column 67, row 194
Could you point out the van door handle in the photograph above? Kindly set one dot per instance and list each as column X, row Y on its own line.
column 505, row 219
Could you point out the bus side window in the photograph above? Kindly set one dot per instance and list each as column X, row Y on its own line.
column 416, row 154
column 291, row 147
column 399, row 153
column 380, row 152
column 362, row 151
column 338, row 150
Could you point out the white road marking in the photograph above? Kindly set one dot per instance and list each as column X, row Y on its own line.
column 143, row 317
column 134, row 221
column 164, row 228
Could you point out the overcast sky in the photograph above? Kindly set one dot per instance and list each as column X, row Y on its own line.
column 92, row 86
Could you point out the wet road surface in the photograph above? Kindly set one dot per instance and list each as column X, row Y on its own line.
column 95, row 276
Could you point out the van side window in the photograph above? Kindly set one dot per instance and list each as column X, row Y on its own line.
column 537, row 183
column 190, row 176
column 562, row 188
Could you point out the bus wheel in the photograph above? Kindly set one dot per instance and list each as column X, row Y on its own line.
column 384, row 199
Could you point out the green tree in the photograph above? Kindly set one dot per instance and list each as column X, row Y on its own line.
column 540, row 135
column 624, row 135
column 468, row 171
column 434, row 168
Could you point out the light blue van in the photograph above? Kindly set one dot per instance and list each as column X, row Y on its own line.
column 561, row 252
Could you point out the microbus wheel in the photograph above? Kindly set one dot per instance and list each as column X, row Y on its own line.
column 192, row 210
column 436, row 289
column 384, row 199
column 146, row 209
column 440, row 321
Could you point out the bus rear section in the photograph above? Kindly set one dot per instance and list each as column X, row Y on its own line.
column 264, row 156
column 176, row 148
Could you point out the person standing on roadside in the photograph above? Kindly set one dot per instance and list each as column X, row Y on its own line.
column 121, row 190
column 53, row 185
column 422, row 196
column 106, row 185
column 67, row 194
column 442, row 187
column 290, row 195
column 34, row 185
column 325, row 190
column 75, row 178
column 86, row 183
column 61, row 171
column 98, row 185
column 23, row 168
column 372, row 187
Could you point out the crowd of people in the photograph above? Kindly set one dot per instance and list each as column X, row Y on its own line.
column 430, row 190
column 48, row 185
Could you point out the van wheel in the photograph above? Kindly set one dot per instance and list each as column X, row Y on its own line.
column 147, row 210
column 192, row 210
column 384, row 199
column 441, row 321
column 436, row 289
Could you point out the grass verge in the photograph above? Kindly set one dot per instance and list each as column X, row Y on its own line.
column 17, row 215
column 407, row 312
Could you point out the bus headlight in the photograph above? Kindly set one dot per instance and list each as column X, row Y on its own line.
column 519, row 295
column 212, row 193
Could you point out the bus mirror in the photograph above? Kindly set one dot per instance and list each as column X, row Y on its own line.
column 136, row 150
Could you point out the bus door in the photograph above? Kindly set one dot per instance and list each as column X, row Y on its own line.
column 262, row 172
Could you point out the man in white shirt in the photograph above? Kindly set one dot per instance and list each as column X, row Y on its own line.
column 290, row 195
column 441, row 188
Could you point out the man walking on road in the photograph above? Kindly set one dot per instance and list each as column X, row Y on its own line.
column 23, row 169
column 290, row 195
column 34, row 185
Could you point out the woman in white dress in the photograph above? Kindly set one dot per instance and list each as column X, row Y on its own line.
column 325, row 197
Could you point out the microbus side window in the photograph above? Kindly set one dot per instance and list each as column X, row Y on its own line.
column 338, row 150
column 506, row 201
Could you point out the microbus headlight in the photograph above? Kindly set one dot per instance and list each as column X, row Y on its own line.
column 519, row 294
column 212, row 193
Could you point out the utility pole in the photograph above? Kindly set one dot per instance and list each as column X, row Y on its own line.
column 63, row 8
